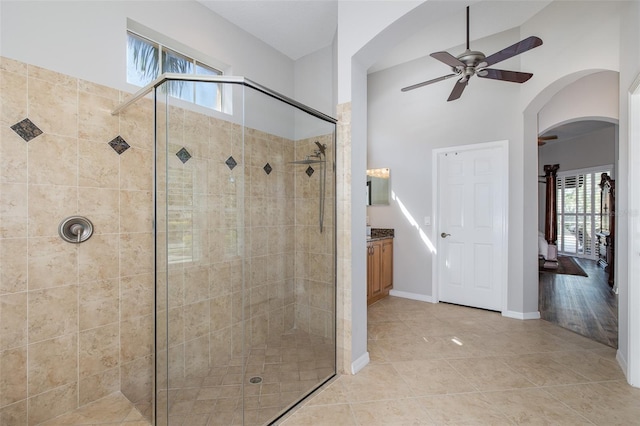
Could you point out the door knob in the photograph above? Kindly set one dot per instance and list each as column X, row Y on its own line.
column 445, row 235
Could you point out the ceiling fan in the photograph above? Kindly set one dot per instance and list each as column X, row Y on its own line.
column 471, row 63
column 543, row 139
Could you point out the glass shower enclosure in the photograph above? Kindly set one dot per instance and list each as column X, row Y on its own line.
column 245, row 252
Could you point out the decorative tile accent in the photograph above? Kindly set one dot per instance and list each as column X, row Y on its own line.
column 231, row 162
column 119, row 145
column 183, row 155
column 267, row 168
column 26, row 129
column 309, row 171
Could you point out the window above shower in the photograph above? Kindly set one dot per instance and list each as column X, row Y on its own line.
column 147, row 59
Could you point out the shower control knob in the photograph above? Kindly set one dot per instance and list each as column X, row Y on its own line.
column 75, row 229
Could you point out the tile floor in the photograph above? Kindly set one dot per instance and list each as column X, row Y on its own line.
column 440, row 364
column 449, row 365
column 112, row 410
column 290, row 366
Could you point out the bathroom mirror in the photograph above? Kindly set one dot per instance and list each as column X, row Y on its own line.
column 378, row 187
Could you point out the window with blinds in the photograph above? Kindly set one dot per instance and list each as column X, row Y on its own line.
column 579, row 211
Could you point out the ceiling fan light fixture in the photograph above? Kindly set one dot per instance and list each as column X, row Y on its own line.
column 471, row 63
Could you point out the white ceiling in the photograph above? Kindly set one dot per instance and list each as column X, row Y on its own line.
column 576, row 129
column 300, row 27
column 293, row 27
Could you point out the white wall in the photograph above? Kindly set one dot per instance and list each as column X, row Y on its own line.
column 313, row 83
column 628, row 285
column 594, row 96
column 404, row 129
column 593, row 149
column 87, row 39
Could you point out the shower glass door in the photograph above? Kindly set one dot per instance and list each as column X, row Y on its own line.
column 245, row 277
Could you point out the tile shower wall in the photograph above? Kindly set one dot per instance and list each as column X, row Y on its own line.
column 314, row 258
column 230, row 208
column 75, row 320
column 243, row 259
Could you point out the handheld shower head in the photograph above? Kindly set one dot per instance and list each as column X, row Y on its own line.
column 321, row 147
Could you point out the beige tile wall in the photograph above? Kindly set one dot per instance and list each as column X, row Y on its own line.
column 76, row 320
column 343, row 254
column 314, row 256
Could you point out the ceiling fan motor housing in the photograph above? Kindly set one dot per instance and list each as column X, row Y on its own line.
column 471, row 59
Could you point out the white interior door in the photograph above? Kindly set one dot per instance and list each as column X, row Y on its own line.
column 471, row 233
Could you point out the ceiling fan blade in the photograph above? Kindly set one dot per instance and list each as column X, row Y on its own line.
column 547, row 138
column 448, row 59
column 424, row 83
column 513, row 50
column 458, row 89
column 512, row 76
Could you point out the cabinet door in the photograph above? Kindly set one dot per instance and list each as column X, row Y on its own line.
column 375, row 260
column 369, row 271
column 386, row 265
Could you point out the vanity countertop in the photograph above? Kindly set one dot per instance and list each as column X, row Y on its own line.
column 381, row 234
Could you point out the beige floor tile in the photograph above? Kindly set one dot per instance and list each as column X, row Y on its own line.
column 533, row 406
column 390, row 330
column 403, row 350
column 334, row 393
column 395, row 412
column 610, row 403
column 376, row 354
column 379, row 313
column 462, row 409
column 542, row 370
column 590, row 365
column 322, row 415
column 490, row 373
column 431, row 326
column 375, row 382
column 115, row 408
column 431, row 377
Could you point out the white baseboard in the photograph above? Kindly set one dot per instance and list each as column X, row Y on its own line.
column 360, row 363
column 521, row 315
column 623, row 364
column 412, row 296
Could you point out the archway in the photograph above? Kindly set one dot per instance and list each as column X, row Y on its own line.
column 535, row 123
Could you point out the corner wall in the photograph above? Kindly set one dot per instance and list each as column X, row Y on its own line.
column 76, row 320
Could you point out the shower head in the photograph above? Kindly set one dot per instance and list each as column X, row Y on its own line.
column 314, row 158
column 321, row 147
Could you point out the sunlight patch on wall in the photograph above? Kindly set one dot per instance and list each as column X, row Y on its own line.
column 413, row 223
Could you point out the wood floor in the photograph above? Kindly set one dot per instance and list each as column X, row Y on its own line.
column 585, row 305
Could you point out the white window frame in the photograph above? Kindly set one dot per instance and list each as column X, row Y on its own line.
column 191, row 94
column 226, row 92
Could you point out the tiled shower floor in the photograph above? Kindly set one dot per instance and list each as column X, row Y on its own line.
column 112, row 410
column 289, row 366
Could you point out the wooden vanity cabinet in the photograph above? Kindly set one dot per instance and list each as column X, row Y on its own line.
column 379, row 269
